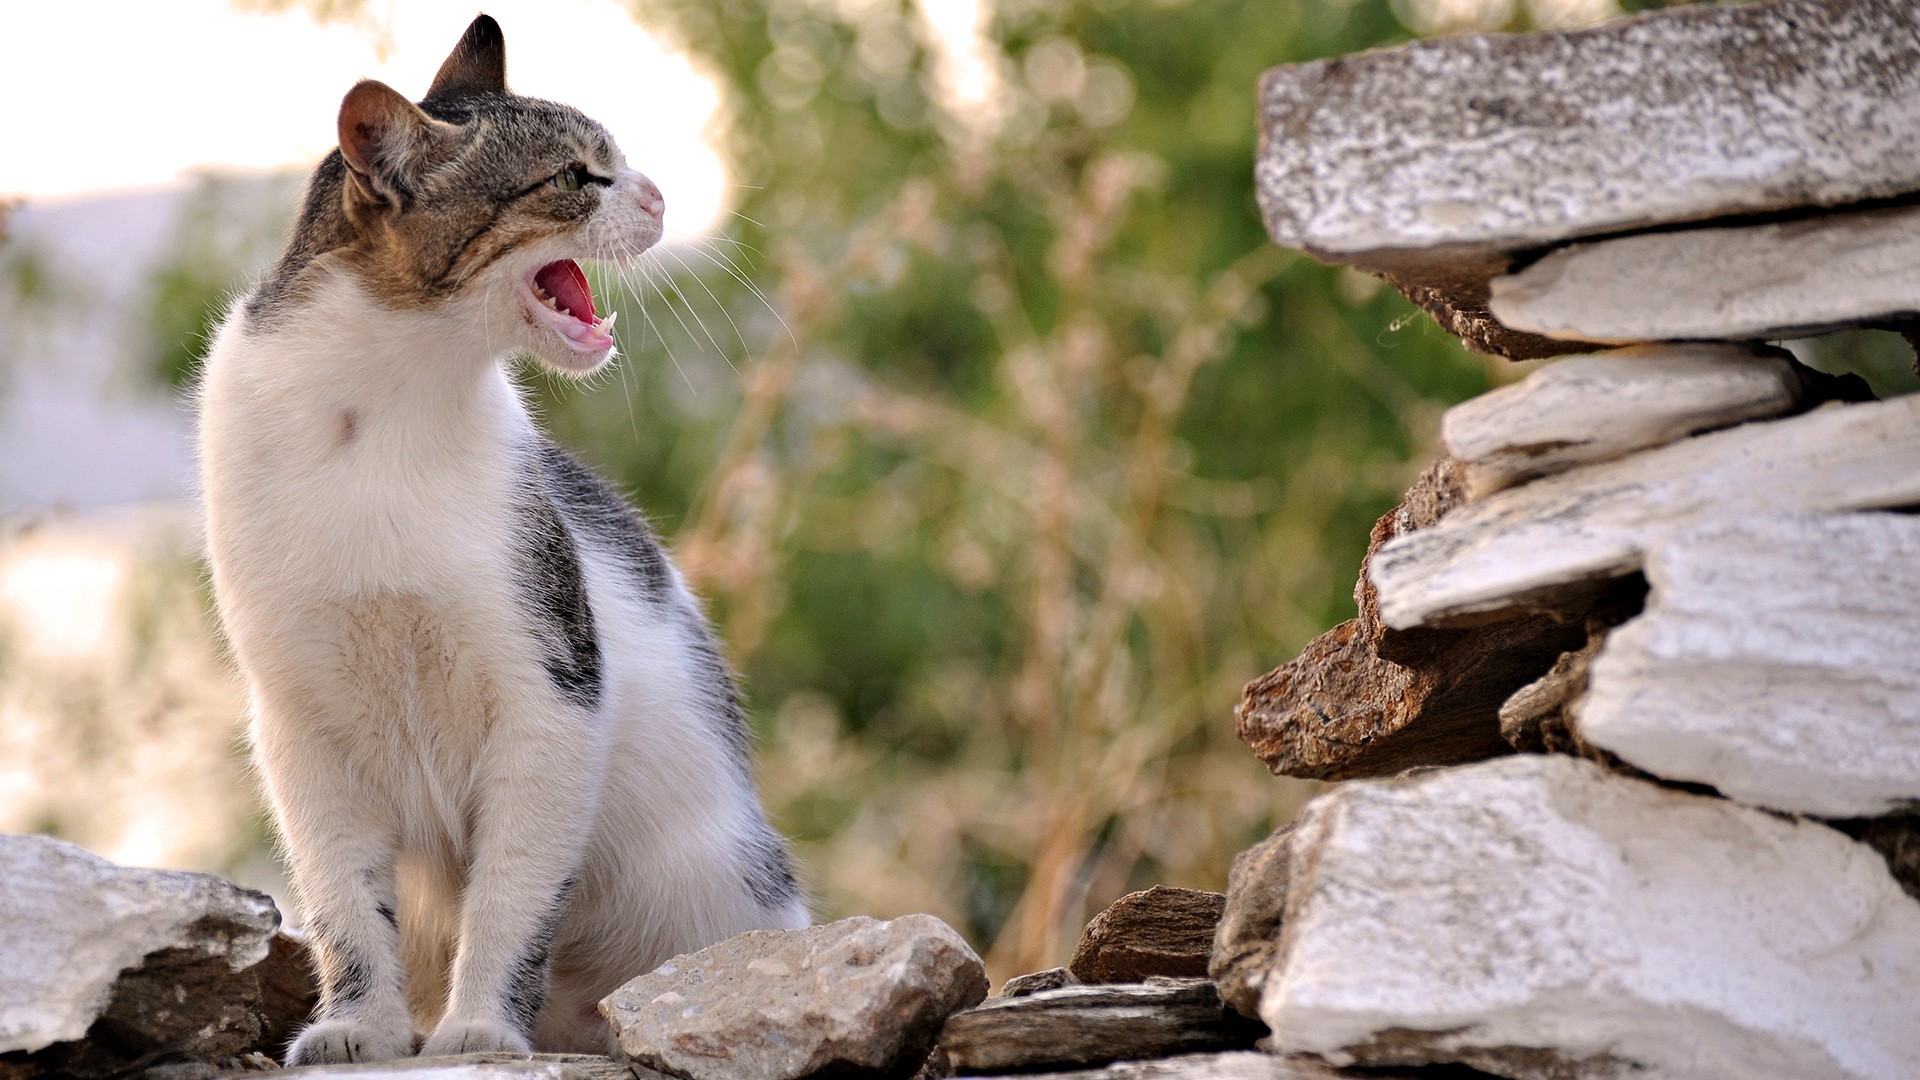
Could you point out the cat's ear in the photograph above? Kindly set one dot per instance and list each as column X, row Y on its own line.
column 478, row 65
column 384, row 137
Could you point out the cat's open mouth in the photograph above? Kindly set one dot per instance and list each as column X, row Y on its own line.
column 559, row 296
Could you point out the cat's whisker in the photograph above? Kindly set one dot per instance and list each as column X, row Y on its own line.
column 706, row 238
column 727, row 265
column 716, row 303
column 728, row 316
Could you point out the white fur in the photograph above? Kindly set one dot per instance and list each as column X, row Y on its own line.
column 360, row 472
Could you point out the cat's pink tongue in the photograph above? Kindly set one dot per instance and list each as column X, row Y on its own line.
column 567, row 284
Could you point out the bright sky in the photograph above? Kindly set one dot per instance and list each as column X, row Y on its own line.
column 116, row 94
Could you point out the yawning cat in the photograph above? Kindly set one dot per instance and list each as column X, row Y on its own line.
column 496, row 732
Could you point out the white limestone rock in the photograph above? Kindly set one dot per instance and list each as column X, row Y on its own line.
column 1501, row 142
column 1538, row 917
column 493, row 1066
column 1756, row 282
column 176, row 946
column 858, row 997
column 1535, row 545
column 1778, row 660
column 1595, row 408
column 1233, row 1065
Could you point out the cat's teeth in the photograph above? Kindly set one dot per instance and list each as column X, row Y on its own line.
column 606, row 324
column 552, row 303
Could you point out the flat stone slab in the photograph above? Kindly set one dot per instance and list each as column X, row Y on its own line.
column 1756, row 282
column 1534, row 546
column 1596, row 408
column 1091, row 1025
column 1778, row 660
column 1233, row 1065
column 1539, row 917
column 471, row 1067
column 1157, row 931
column 1434, row 162
column 164, row 956
column 855, row 997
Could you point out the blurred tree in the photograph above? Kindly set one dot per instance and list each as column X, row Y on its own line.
column 1052, row 452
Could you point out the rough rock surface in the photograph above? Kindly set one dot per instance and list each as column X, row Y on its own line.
column 1034, row 982
column 1249, row 928
column 1543, row 716
column 289, row 991
column 1091, row 1025
column 1775, row 661
column 139, row 964
column 1366, row 700
column 1756, row 282
column 1516, row 142
column 1232, row 1065
column 1544, row 545
column 850, row 996
column 1158, row 931
column 474, row 1067
column 1552, row 920
column 1596, row 408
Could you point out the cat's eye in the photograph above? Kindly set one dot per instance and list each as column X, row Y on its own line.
column 572, row 178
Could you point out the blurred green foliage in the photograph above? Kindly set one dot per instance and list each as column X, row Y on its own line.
column 1039, row 451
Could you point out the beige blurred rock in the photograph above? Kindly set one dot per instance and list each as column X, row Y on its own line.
column 163, row 956
column 1754, row 282
column 1585, row 409
column 1553, row 541
column 858, row 995
column 1538, row 917
column 1778, row 660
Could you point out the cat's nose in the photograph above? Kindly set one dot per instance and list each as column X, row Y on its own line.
column 651, row 200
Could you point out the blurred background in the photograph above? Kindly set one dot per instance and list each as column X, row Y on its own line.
column 967, row 387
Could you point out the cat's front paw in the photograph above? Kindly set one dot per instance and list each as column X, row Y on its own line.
column 457, row 1036
column 340, row 1042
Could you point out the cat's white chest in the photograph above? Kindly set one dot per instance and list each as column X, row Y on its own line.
column 329, row 484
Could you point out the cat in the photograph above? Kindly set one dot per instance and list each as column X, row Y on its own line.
column 508, row 764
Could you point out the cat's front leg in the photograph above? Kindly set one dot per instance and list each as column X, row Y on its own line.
column 342, row 856
column 535, row 810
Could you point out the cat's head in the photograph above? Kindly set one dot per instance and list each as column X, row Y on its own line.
column 477, row 202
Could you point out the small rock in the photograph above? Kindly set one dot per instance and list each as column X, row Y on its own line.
column 1249, row 929
column 1775, row 661
column 1539, row 917
column 856, row 995
column 104, row 969
column 1541, row 717
column 1160, row 931
column 1092, row 1025
column 1050, row 979
column 289, row 991
column 1596, row 408
column 1550, row 543
column 1750, row 282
